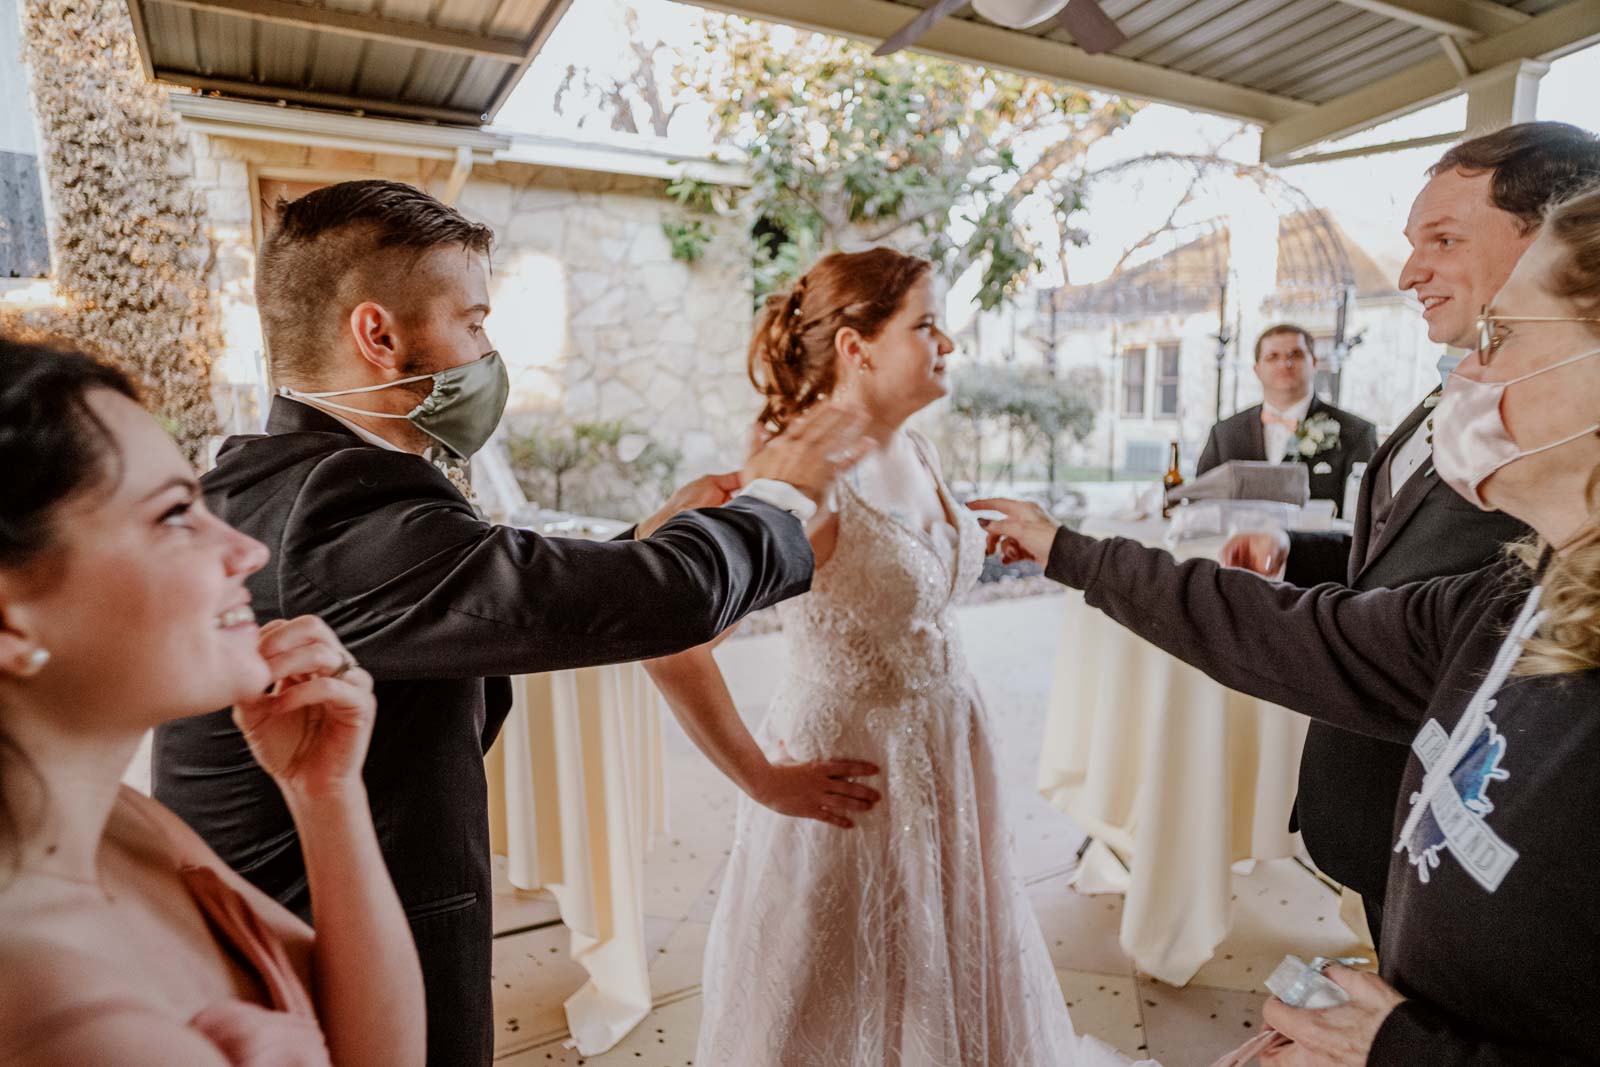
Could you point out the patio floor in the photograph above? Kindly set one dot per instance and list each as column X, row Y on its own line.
column 1011, row 644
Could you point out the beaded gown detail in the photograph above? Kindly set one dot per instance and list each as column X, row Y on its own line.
column 906, row 941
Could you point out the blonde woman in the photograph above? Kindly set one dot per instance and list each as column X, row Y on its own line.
column 1493, row 679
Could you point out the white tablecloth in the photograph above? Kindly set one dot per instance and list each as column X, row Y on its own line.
column 1179, row 775
column 576, row 792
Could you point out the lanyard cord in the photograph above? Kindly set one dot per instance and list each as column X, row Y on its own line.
column 1472, row 720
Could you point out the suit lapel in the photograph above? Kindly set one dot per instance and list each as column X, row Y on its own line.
column 1257, row 434
column 1364, row 546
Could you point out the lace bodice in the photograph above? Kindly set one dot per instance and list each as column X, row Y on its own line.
column 907, row 940
column 878, row 617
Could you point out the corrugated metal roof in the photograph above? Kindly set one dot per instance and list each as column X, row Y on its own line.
column 1304, row 69
column 1305, row 50
column 446, row 60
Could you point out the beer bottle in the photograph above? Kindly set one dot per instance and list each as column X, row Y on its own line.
column 1170, row 481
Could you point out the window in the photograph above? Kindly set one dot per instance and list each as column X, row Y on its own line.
column 24, row 243
column 1133, row 375
column 1328, row 369
column 1167, row 380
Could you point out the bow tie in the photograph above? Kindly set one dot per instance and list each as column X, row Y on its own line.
column 1269, row 419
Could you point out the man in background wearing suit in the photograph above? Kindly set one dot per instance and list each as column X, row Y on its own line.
column 1477, row 214
column 1292, row 424
column 373, row 297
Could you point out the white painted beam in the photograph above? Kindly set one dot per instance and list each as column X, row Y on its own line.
column 1002, row 49
column 458, row 176
column 316, row 98
column 1507, row 94
column 1555, row 33
column 1454, row 18
column 247, row 120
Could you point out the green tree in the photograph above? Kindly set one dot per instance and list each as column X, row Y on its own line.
column 1033, row 409
column 936, row 157
column 602, row 467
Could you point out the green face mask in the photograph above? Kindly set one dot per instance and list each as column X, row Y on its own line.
column 460, row 413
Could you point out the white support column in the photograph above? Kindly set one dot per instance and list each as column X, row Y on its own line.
column 1508, row 93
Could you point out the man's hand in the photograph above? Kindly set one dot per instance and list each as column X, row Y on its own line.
column 1332, row 1037
column 1026, row 532
column 1264, row 552
column 707, row 491
column 813, row 451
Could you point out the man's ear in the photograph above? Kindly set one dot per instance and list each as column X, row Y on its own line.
column 373, row 329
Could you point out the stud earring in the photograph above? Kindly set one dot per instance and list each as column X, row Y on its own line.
column 37, row 660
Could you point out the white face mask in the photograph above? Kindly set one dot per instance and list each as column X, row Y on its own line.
column 1470, row 439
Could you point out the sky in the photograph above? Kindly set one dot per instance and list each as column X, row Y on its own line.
column 1368, row 196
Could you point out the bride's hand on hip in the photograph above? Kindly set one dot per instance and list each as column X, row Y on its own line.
column 311, row 729
column 821, row 789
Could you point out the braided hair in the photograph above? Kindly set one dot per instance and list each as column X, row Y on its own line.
column 792, row 361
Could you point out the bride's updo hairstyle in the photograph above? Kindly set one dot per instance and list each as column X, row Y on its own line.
column 792, row 361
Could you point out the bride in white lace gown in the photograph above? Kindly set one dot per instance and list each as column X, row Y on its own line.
column 904, row 940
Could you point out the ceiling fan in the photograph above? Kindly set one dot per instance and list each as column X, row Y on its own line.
column 1091, row 28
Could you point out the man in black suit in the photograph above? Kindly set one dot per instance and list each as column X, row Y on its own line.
column 1292, row 424
column 375, row 294
column 1468, row 227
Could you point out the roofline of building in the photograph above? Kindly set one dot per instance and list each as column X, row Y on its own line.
column 642, row 158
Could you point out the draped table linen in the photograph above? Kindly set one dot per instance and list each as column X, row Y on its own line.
column 577, row 790
column 1175, row 773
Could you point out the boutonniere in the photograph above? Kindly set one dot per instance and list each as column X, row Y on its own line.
column 1314, row 436
column 457, row 477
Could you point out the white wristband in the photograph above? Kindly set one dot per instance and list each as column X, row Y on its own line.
column 781, row 495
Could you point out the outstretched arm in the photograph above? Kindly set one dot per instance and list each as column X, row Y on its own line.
column 1368, row 662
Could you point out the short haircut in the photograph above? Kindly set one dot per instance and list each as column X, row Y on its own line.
column 1286, row 327
column 1534, row 165
column 337, row 246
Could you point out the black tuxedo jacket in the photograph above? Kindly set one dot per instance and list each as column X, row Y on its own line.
column 1350, row 783
column 439, row 606
column 1242, row 437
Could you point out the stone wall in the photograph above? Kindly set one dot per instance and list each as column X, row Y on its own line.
column 593, row 316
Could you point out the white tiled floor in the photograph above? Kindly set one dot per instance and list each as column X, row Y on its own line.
column 1279, row 907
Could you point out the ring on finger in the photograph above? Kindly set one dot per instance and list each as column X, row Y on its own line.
column 344, row 668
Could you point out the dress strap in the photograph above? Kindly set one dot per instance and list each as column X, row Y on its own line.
column 232, row 918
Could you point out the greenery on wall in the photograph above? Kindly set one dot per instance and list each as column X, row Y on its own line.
column 129, row 239
column 1003, row 419
column 602, row 467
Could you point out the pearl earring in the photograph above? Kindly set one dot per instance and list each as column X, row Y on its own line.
column 37, row 660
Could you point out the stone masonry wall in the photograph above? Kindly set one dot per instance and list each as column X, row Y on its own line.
column 593, row 316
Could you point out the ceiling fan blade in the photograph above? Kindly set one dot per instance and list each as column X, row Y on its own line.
column 909, row 33
column 1092, row 29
